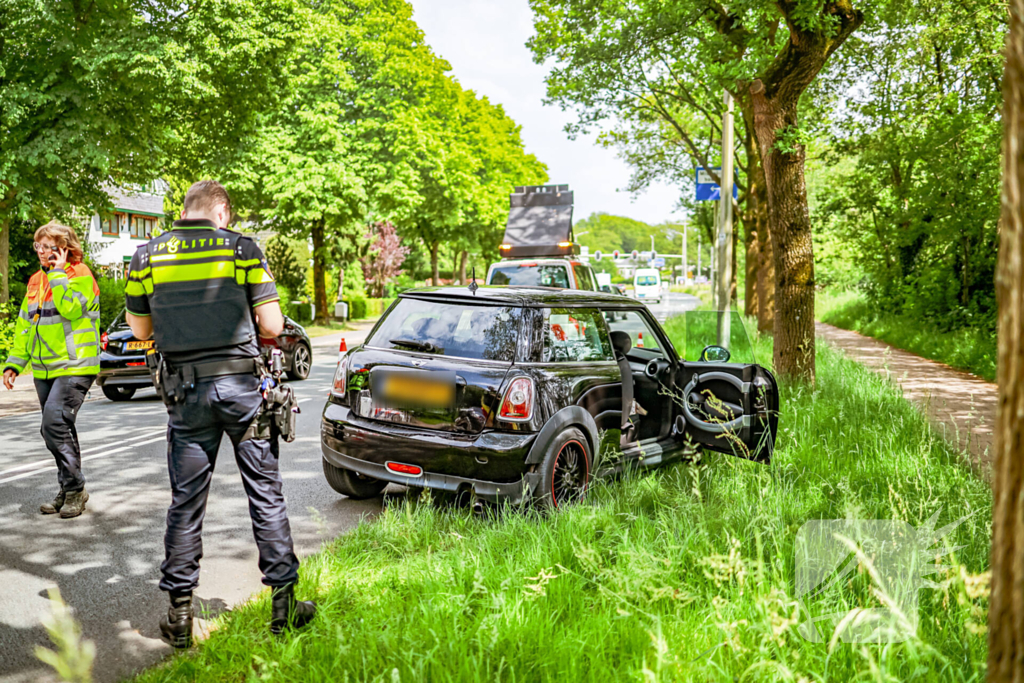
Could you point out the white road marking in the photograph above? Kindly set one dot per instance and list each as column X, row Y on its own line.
column 37, row 463
column 53, row 468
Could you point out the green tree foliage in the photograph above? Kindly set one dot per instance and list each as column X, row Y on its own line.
column 284, row 263
column 910, row 184
column 107, row 92
column 659, row 68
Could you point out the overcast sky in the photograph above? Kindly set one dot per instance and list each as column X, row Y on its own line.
column 485, row 42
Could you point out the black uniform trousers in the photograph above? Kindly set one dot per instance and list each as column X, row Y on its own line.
column 214, row 407
column 60, row 398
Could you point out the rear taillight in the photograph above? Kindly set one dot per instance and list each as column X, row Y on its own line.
column 103, row 341
column 518, row 402
column 338, row 389
column 402, row 468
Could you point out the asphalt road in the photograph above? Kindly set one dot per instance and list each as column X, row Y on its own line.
column 106, row 562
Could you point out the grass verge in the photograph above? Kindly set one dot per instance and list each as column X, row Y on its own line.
column 684, row 573
column 967, row 349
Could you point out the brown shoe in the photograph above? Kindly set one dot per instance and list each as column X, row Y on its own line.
column 54, row 507
column 74, row 504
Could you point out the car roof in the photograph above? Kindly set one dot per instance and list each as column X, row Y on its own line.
column 521, row 296
column 536, row 260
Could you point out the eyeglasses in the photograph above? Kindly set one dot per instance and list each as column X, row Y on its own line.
column 45, row 247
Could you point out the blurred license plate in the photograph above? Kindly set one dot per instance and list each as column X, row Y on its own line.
column 434, row 390
column 138, row 345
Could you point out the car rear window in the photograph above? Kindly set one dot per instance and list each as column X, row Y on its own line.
column 531, row 275
column 450, row 329
column 646, row 280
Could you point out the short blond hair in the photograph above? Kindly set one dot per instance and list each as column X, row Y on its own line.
column 65, row 238
column 205, row 195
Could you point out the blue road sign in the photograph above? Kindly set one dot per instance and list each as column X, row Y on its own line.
column 707, row 189
column 658, row 263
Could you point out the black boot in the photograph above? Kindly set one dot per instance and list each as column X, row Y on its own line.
column 176, row 627
column 54, row 507
column 287, row 612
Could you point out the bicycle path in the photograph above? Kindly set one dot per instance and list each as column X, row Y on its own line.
column 960, row 405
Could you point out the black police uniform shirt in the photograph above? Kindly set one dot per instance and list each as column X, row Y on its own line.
column 259, row 286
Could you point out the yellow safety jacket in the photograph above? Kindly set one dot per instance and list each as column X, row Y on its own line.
column 58, row 325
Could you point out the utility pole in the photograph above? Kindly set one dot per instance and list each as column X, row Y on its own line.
column 686, row 257
column 713, row 281
column 725, row 225
column 698, row 252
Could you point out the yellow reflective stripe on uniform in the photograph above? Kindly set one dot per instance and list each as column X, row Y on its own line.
column 245, row 263
column 184, row 256
column 192, row 272
column 133, row 288
column 139, row 274
column 257, row 276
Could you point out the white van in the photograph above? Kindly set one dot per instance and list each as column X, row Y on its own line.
column 647, row 284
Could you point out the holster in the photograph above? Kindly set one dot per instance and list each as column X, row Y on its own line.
column 276, row 415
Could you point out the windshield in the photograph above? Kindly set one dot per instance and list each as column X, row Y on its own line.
column 448, row 329
column 646, row 280
column 531, row 275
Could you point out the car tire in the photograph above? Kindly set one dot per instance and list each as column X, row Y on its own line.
column 352, row 484
column 564, row 471
column 118, row 393
column 302, row 362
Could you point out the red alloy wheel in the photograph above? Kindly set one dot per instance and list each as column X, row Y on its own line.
column 570, row 474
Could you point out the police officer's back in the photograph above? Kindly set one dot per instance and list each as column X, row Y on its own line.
column 205, row 294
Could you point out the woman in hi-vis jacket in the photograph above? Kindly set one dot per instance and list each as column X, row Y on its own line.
column 57, row 332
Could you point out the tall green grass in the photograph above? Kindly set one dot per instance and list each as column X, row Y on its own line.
column 970, row 349
column 681, row 574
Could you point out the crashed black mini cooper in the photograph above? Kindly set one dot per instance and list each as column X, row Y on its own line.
column 508, row 393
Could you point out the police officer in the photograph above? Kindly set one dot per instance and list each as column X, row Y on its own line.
column 205, row 293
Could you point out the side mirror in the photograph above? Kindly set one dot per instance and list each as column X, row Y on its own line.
column 714, row 354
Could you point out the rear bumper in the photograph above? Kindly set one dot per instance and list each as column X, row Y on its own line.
column 117, row 374
column 491, row 464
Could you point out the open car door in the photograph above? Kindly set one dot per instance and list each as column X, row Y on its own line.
column 730, row 407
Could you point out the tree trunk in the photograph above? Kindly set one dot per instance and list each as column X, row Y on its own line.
column 5, row 253
column 435, row 275
column 319, row 271
column 1006, row 602
column 750, row 264
column 776, row 101
column 761, row 287
column 765, row 260
column 790, row 227
column 462, row 266
column 733, row 278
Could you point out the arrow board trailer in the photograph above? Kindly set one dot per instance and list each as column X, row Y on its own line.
column 539, row 222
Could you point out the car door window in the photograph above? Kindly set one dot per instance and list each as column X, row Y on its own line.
column 573, row 335
column 584, row 278
column 639, row 330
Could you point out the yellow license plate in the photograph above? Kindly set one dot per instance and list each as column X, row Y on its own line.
column 419, row 391
column 138, row 345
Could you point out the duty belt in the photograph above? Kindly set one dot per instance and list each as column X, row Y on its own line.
column 220, row 368
column 172, row 382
